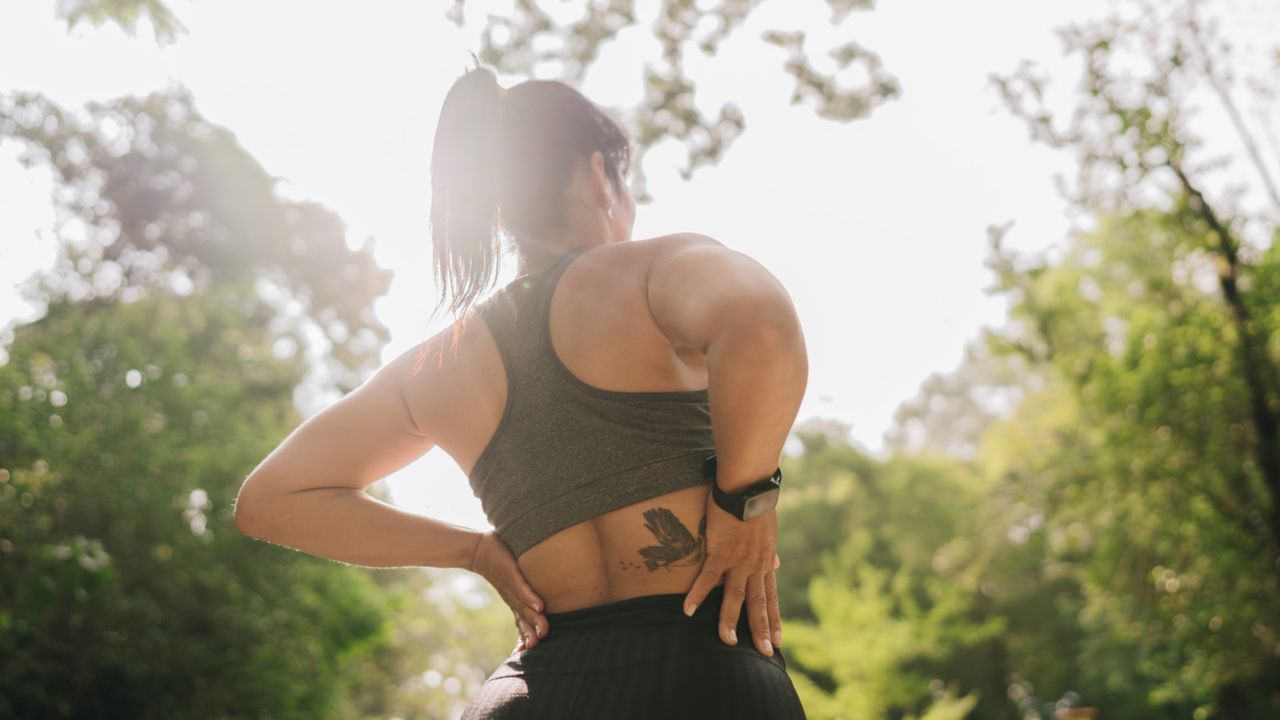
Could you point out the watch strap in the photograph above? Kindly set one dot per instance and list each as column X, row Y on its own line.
column 735, row 502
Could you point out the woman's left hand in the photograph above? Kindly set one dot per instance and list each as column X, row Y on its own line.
column 494, row 562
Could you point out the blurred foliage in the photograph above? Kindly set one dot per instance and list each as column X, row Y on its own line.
column 957, row 407
column 448, row 631
column 165, row 367
column 151, row 194
column 919, row 598
column 1101, row 473
column 1161, row 323
column 562, row 39
column 125, row 430
column 882, row 625
column 125, row 13
column 125, row 590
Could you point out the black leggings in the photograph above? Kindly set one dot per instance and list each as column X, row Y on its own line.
column 640, row 658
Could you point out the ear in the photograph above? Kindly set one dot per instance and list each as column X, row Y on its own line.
column 601, row 189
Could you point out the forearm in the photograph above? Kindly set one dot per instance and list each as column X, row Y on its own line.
column 758, row 369
column 354, row 527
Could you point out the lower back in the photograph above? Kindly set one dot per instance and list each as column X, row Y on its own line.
column 652, row 547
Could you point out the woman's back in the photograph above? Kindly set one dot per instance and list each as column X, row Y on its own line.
column 603, row 333
column 579, row 401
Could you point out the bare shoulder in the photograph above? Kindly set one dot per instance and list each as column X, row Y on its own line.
column 680, row 239
column 694, row 282
column 635, row 258
column 662, row 246
column 685, row 257
column 435, row 373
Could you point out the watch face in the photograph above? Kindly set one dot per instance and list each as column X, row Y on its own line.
column 760, row 504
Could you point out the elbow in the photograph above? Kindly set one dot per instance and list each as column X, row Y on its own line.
column 242, row 518
column 247, row 512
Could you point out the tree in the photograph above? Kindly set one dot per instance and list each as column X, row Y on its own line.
column 877, row 633
column 125, row 429
column 164, row 368
column 1152, row 475
column 125, row 13
column 953, row 410
column 883, row 554
column 162, row 198
column 564, row 42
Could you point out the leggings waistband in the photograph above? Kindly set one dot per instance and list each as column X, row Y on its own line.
column 640, row 658
column 642, row 610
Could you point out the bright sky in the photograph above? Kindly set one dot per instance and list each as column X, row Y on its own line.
column 877, row 228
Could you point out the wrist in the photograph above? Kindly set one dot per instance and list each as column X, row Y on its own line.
column 735, row 480
column 474, row 553
column 748, row 500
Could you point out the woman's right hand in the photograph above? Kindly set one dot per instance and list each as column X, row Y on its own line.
column 494, row 562
column 744, row 552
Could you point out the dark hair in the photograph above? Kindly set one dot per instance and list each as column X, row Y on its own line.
column 500, row 163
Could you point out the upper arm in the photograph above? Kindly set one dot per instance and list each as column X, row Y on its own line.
column 696, row 286
column 354, row 442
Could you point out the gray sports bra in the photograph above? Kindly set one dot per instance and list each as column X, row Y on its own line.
column 565, row 451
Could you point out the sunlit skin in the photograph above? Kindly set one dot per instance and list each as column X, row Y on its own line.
column 614, row 328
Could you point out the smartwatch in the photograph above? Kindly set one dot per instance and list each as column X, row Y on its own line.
column 755, row 499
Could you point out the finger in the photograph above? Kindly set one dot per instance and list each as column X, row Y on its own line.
column 706, row 580
column 536, row 621
column 515, row 589
column 758, row 614
column 735, row 593
column 528, row 595
column 524, row 597
column 530, row 639
column 522, row 610
column 775, row 616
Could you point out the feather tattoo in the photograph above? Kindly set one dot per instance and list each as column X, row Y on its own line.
column 676, row 545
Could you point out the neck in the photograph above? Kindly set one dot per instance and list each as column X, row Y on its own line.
column 538, row 254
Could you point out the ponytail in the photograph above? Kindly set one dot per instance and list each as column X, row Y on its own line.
column 499, row 166
column 465, row 173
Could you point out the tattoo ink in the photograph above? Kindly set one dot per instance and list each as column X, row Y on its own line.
column 676, row 545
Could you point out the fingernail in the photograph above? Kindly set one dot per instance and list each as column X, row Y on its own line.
column 768, row 648
column 733, row 637
column 538, row 629
column 689, row 610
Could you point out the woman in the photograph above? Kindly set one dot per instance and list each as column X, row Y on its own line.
column 579, row 400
